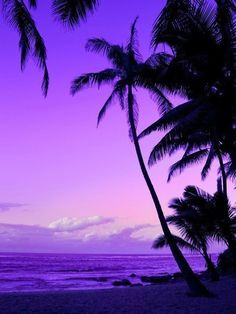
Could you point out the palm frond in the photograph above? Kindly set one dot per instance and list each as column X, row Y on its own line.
column 31, row 41
column 133, row 45
column 107, row 104
column 207, row 166
column 172, row 117
column 91, row 79
column 114, row 53
column 189, row 227
column 196, row 195
column 160, row 59
column 99, row 45
column 73, row 12
column 133, row 36
column 177, row 138
column 202, row 218
column 162, row 242
column 187, row 161
column 164, row 104
column 118, row 93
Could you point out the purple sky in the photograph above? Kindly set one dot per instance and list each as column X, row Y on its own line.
column 66, row 185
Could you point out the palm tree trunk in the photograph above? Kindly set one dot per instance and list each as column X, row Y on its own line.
column 231, row 243
column 210, row 266
column 223, row 174
column 195, row 285
column 230, row 238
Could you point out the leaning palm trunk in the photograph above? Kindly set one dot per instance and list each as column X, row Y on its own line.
column 210, row 266
column 127, row 72
column 195, row 285
column 222, row 171
column 211, row 269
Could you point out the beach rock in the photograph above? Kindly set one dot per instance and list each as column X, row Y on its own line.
column 156, row 279
column 124, row 282
column 133, row 275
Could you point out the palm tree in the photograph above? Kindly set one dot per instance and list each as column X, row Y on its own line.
column 127, row 74
column 215, row 213
column 222, row 216
column 31, row 43
column 218, row 216
column 190, row 219
column 201, row 36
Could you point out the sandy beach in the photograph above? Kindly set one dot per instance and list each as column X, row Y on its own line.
column 161, row 298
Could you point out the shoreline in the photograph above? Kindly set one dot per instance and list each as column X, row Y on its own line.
column 161, row 298
column 130, row 281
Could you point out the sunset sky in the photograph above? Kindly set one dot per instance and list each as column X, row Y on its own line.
column 66, row 186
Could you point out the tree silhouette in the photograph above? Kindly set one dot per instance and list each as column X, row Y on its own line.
column 127, row 74
column 197, row 143
column 31, row 43
column 161, row 242
column 201, row 36
column 202, row 218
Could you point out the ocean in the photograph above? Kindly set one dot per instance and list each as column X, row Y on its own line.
column 55, row 272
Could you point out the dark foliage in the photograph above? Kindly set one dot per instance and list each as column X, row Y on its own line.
column 202, row 36
column 226, row 262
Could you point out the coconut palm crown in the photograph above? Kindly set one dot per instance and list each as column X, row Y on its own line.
column 202, row 36
column 127, row 69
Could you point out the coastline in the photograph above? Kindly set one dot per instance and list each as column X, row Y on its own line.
column 51, row 272
column 161, row 298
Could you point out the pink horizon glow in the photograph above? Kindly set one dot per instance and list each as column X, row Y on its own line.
column 54, row 162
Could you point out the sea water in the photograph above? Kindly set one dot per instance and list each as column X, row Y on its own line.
column 54, row 272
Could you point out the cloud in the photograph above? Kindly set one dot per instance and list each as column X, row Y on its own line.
column 25, row 238
column 130, row 232
column 67, row 224
column 88, row 239
column 7, row 206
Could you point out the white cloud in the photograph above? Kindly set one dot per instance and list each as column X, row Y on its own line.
column 68, row 224
column 28, row 238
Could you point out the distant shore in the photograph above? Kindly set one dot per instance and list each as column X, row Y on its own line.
column 160, row 298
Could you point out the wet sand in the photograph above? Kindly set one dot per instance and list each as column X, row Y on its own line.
column 156, row 299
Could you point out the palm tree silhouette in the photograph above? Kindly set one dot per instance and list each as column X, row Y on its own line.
column 192, row 222
column 197, row 143
column 127, row 74
column 201, row 36
column 218, row 216
column 222, row 219
column 31, row 43
column 72, row 13
column 215, row 214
